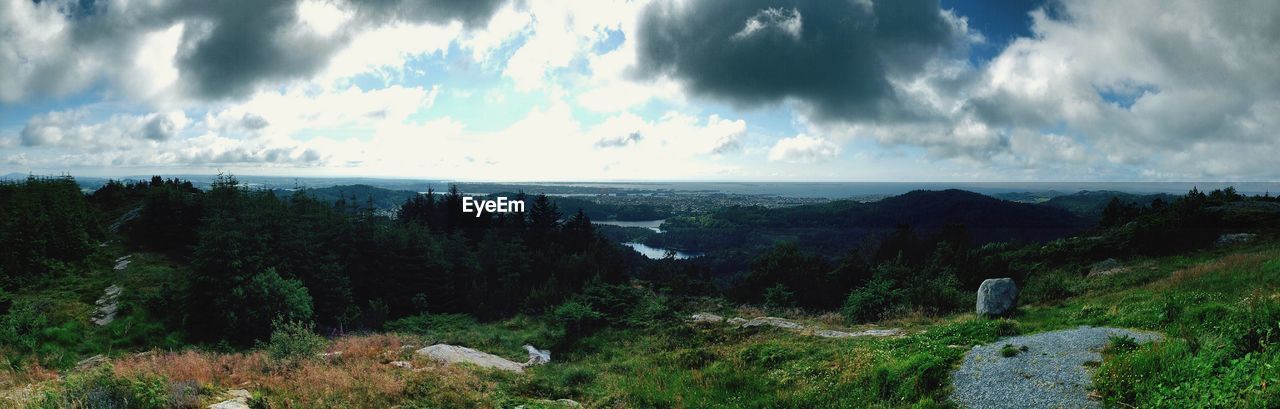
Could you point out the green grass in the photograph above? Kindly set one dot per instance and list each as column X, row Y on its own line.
column 1219, row 311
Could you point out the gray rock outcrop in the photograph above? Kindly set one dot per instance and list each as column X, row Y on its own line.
column 708, row 318
column 537, row 356
column 1233, row 239
column 997, row 296
column 237, row 399
column 453, row 354
column 106, row 306
column 1105, row 268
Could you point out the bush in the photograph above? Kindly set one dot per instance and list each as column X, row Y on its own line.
column 99, row 388
column 1051, row 286
column 252, row 307
column 1009, row 351
column 577, row 319
column 872, row 301
column 777, row 298
column 293, row 340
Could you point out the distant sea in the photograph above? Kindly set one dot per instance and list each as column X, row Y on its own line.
column 824, row 190
column 841, row 190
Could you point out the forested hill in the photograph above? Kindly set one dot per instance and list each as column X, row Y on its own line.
column 1089, row 204
column 920, row 209
column 836, row 224
column 389, row 200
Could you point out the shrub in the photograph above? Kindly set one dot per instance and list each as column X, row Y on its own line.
column 1120, row 344
column 778, row 297
column 99, row 388
column 577, row 319
column 1009, row 351
column 293, row 340
column 252, row 307
column 871, row 301
column 1051, row 286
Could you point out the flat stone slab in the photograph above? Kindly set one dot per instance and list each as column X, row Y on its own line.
column 708, row 318
column 1051, row 373
column 452, row 354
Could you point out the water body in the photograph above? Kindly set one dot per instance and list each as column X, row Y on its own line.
column 657, row 252
column 648, row 224
column 842, row 190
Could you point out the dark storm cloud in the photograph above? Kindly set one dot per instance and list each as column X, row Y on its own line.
column 249, row 44
column 836, row 56
column 229, row 47
column 470, row 12
column 246, row 46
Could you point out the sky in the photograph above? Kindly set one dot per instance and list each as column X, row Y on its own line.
column 723, row 90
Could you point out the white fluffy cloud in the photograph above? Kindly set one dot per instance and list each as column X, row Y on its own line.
column 1188, row 94
column 803, row 149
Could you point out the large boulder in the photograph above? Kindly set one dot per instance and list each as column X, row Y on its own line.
column 997, row 296
column 452, row 354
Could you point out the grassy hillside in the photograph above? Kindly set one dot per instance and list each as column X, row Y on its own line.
column 1218, row 308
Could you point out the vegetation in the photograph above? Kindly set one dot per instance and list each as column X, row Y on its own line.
column 307, row 303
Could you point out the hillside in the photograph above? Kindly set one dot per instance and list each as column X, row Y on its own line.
column 160, row 294
column 1089, row 204
column 830, row 227
column 671, row 362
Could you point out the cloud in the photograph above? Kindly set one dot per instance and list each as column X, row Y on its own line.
column 207, row 50
column 840, row 58
column 159, row 128
column 803, row 149
column 786, row 21
column 72, row 129
column 1192, row 93
column 619, row 140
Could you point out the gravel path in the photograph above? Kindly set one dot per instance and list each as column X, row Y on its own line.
column 1050, row 374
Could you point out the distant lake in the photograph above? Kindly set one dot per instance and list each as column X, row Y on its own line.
column 648, row 224
column 657, row 253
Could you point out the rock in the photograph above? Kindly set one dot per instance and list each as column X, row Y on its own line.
column 237, row 399
column 706, row 318
column 1234, row 238
column 122, row 262
column 91, row 362
column 1105, row 268
column 452, row 354
column 997, row 296
column 537, row 356
column 107, row 306
column 773, row 322
column 125, row 218
column 401, row 364
column 827, row 333
column 737, row 321
column 568, row 403
column 231, row 404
